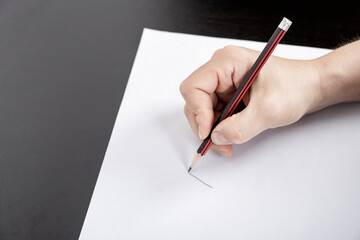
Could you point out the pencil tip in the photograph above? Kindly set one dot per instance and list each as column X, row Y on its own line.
column 194, row 161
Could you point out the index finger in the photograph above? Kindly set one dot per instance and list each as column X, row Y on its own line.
column 197, row 90
column 203, row 87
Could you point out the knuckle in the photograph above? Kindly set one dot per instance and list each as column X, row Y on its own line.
column 234, row 135
column 183, row 87
column 238, row 136
column 230, row 48
column 216, row 54
column 186, row 110
column 225, row 51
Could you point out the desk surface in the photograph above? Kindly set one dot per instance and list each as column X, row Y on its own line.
column 64, row 68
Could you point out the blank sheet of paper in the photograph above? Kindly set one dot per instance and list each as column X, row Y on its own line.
column 296, row 182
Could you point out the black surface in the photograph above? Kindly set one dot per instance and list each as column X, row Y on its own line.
column 63, row 70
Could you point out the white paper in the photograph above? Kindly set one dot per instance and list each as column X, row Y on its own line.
column 297, row 182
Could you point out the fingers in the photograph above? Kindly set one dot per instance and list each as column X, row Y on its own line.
column 199, row 106
column 239, row 128
column 191, row 118
column 209, row 83
column 225, row 150
column 194, row 123
column 198, row 91
column 207, row 90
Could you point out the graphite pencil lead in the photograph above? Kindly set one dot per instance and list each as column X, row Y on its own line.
column 194, row 161
column 189, row 169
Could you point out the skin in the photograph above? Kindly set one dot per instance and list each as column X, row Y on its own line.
column 284, row 91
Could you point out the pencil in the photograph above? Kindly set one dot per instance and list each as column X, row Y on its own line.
column 244, row 86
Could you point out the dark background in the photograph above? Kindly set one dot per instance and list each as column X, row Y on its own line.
column 63, row 70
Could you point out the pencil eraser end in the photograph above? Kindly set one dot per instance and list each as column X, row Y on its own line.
column 285, row 24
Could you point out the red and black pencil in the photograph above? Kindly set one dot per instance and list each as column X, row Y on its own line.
column 245, row 85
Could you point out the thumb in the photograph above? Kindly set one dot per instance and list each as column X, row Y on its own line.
column 238, row 128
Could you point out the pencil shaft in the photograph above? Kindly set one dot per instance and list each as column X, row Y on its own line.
column 248, row 80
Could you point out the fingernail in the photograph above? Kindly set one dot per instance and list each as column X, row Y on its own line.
column 201, row 135
column 218, row 138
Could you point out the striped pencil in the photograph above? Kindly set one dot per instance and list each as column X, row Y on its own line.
column 244, row 86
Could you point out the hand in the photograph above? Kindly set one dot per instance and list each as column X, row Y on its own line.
column 283, row 92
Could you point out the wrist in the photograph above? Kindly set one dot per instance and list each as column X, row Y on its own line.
column 328, row 83
column 338, row 76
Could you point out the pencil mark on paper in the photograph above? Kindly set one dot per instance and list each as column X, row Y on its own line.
column 200, row 180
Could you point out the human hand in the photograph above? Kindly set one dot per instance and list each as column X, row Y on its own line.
column 283, row 92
